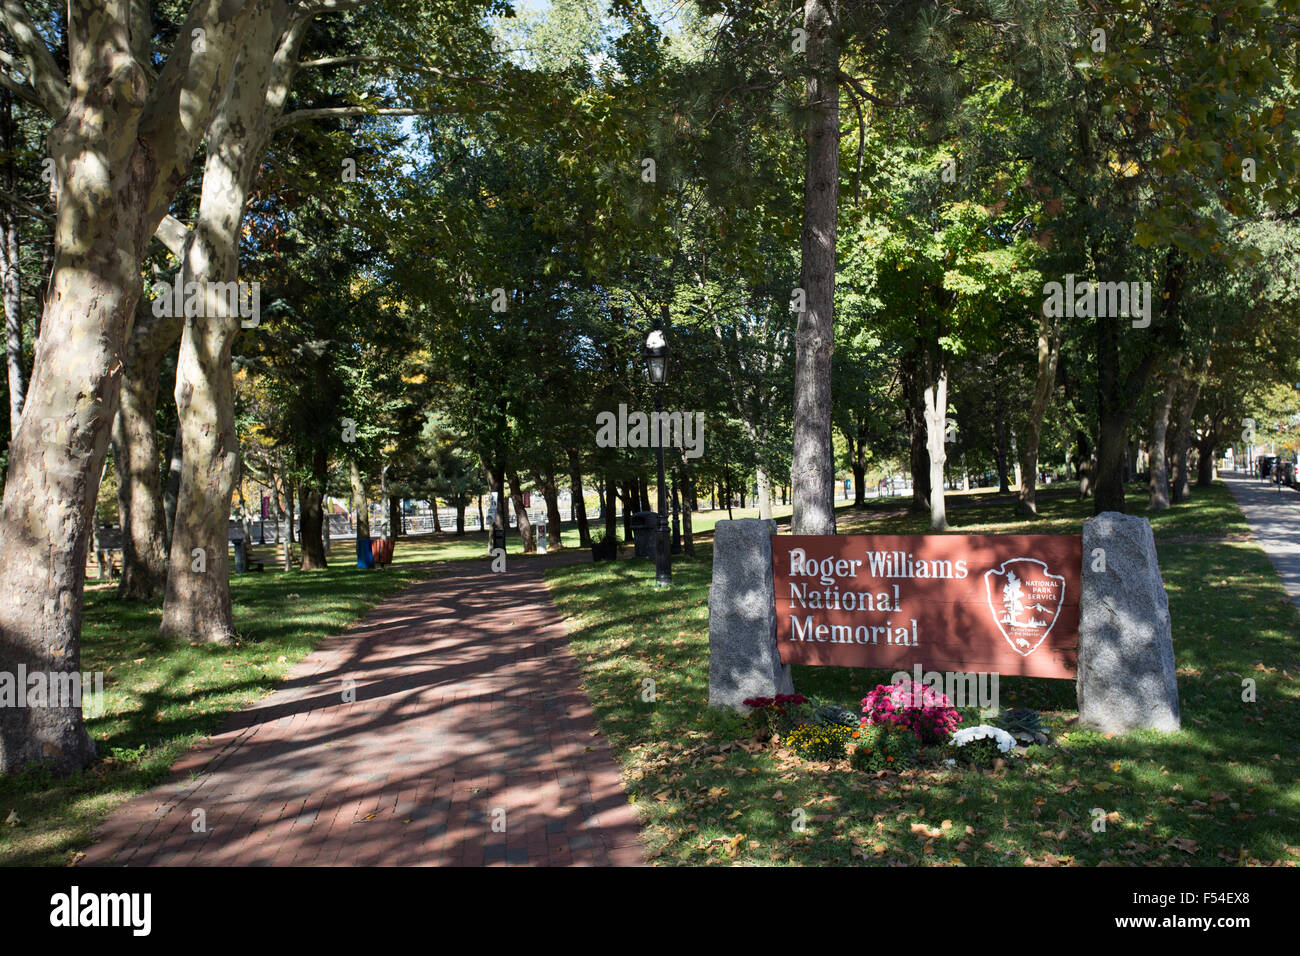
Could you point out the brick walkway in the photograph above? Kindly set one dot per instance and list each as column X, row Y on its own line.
column 467, row 719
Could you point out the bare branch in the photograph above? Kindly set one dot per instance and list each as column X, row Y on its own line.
column 46, row 79
column 872, row 97
column 186, row 95
column 297, row 116
column 284, row 67
column 172, row 233
column 328, row 61
column 22, row 205
column 23, row 91
column 312, row 8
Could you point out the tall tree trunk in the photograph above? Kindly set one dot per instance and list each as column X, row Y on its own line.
column 244, row 543
column 1085, row 464
column 1158, row 480
column 936, row 412
column 1048, row 354
column 525, row 526
column 611, row 526
column 57, row 454
column 121, row 151
column 918, row 453
column 858, row 454
column 689, row 505
column 1206, row 446
column 311, row 520
column 757, row 439
column 172, row 483
column 1000, row 434
column 1114, row 408
column 551, row 494
column 359, row 503
column 631, row 503
column 813, row 467
column 579, row 503
column 197, row 606
column 135, row 453
column 1116, row 393
column 1180, row 481
column 500, row 519
column 1184, row 428
column 395, row 529
column 10, row 247
column 764, row 493
column 286, row 496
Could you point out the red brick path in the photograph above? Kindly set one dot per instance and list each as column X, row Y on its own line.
column 467, row 704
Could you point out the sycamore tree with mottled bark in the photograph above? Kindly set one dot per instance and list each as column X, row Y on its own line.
column 123, row 145
column 388, row 39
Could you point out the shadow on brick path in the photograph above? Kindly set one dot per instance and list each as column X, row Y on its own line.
column 468, row 742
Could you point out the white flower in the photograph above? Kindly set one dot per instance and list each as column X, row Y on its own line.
column 1006, row 743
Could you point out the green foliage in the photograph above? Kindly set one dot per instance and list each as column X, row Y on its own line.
column 980, row 753
column 884, row 747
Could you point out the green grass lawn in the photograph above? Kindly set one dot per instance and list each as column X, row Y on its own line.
column 1222, row 791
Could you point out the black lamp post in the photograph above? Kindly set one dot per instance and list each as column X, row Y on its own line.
column 656, row 363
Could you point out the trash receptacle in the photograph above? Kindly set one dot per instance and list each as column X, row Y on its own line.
column 644, row 524
column 365, row 557
column 382, row 549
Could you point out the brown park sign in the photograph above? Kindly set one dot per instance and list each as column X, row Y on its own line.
column 972, row 603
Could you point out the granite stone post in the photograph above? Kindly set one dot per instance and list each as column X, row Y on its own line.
column 1126, row 679
column 743, row 660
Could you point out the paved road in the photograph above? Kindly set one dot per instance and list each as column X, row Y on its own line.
column 1274, row 518
column 469, row 742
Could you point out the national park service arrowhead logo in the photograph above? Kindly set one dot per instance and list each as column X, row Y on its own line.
column 1025, row 600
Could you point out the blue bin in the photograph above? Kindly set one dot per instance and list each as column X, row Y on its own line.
column 365, row 557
